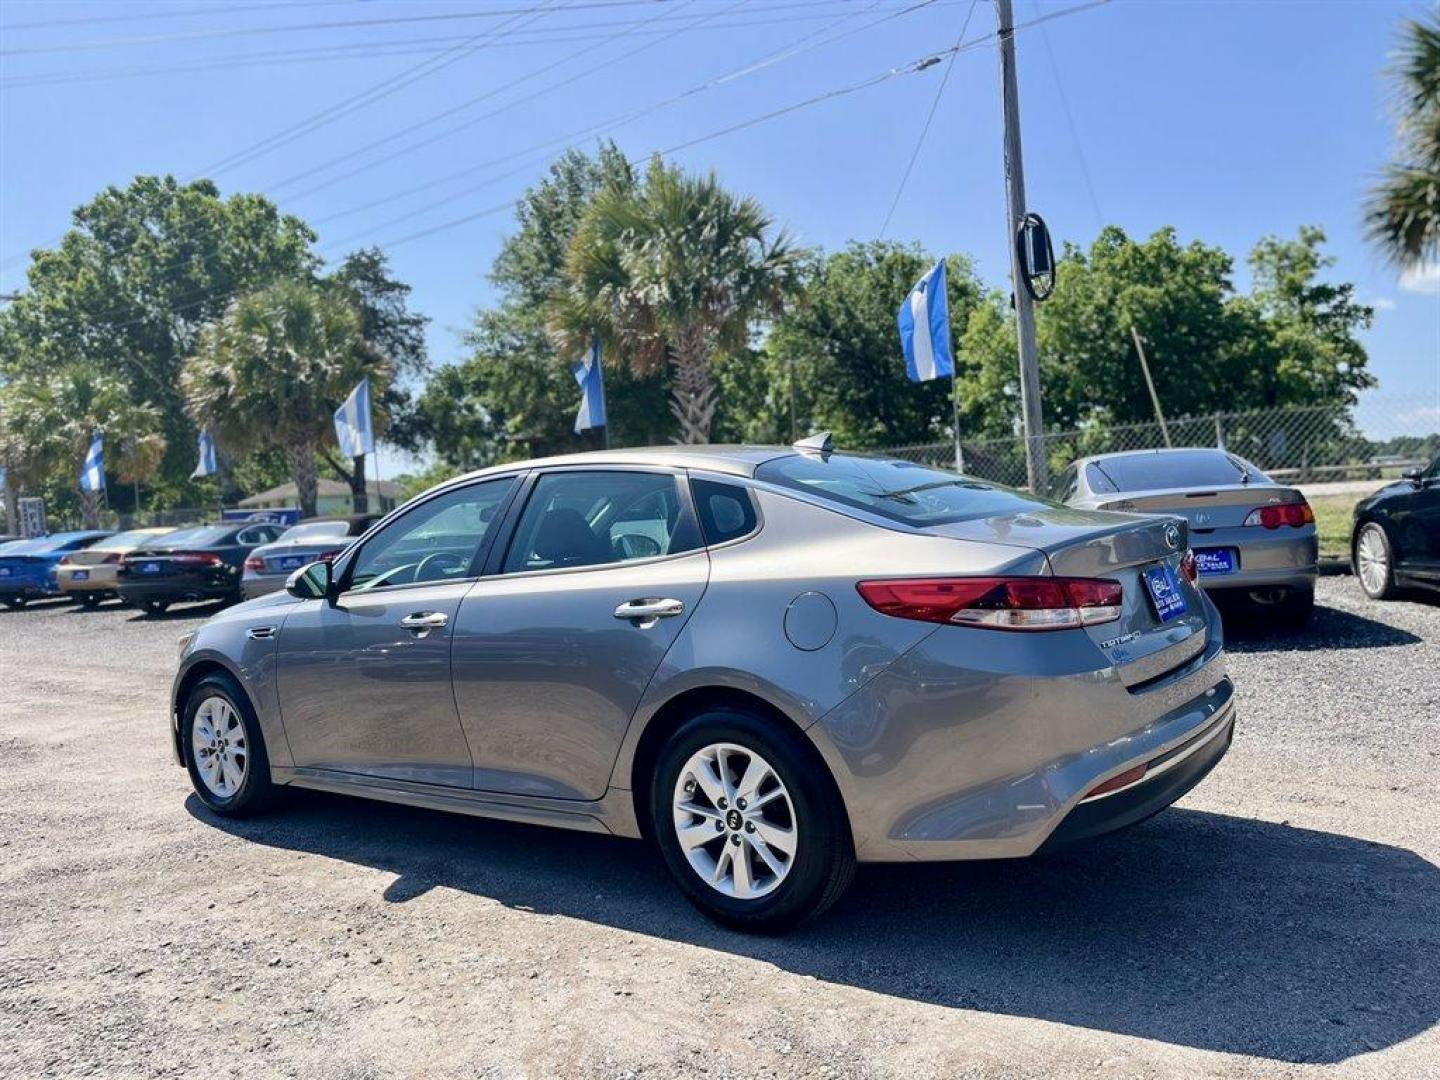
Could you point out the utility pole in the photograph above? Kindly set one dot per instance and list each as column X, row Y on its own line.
column 1036, row 467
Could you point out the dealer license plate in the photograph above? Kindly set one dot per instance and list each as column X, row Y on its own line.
column 1164, row 588
column 1215, row 560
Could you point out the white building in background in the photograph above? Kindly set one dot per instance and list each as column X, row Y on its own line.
column 332, row 498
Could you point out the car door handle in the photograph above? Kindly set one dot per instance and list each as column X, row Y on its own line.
column 425, row 620
column 645, row 613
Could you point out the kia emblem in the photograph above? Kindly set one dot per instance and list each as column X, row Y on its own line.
column 1172, row 536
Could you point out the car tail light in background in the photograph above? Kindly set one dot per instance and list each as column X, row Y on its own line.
column 999, row 603
column 1188, row 567
column 255, row 564
column 65, row 561
column 196, row 558
column 113, row 557
column 1275, row 515
column 328, row 556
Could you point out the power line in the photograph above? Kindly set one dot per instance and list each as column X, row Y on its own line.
column 135, row 16
column 509, row 84
column 1070, row 122
column 391, row 85
column 929, row 119
column 292, row 28
column 400, row 47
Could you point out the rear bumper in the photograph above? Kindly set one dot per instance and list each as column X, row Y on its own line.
column 1278, row 558
column 176, row 589
column 101, row 579
column 982, row 747
column 1170, row 776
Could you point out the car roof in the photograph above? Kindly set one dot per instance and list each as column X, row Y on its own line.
column 736, row 460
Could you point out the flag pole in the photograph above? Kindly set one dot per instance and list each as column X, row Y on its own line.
column 379, row 499
column 955, row 418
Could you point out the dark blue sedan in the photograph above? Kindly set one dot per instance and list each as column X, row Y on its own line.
column 27, row 567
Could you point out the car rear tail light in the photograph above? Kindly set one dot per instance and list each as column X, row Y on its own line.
column 113, row 557
column 1188, row 567
column 65, row 561
column 999, row 603
column 196, row 558
column 1276, row 515
column 256, row 564
column 328, row 556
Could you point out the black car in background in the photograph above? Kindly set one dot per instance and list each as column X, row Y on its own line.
column 199, row 563
column 1395, row 543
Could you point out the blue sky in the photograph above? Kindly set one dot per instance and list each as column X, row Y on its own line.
column 1228, row 120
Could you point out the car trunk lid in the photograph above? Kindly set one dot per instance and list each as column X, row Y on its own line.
column 1206, row 508
column 1141, row 644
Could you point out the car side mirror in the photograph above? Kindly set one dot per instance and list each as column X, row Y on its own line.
column 311, row 582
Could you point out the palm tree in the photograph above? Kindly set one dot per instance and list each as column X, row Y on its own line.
column 1403, row 213
column 675, row 268
column 273, row 369
column 47, row 424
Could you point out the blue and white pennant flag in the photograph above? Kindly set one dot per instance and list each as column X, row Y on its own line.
column 591, row 377
column 92, row 473
column 206, row 465
column 924, row 322
column 353, row 426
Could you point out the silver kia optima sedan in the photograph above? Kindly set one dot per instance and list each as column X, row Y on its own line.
column 1254, row 539
column 771, row 662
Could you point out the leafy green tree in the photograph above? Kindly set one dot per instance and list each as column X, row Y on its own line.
column 1292, row 341
column 398, row 333
column 840, row 348
column 126, row 290
column 514, row 396
column 673, row 269
column 47, row 423
column 273, row 369
column 1403, row 211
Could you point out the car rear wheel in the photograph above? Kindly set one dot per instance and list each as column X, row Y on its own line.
column 15, row 603
column 747, row 823
column 1374, row 565
column 155, row 607
column 224, row 750
column 90, row 600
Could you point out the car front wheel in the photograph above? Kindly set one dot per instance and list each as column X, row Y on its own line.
column 224, row 749
column 1374, row 563
column 747, row 823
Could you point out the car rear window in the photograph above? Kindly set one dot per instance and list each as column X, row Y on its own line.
column 203, row 536
column 1178, row 468
column 315, row 530
column 898, row 490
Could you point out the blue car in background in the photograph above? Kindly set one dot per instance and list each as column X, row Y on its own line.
column 27, row 567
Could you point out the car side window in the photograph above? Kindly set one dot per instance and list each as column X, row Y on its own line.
column 595, row 518
column 726, row 511
column 436, row 541
column 252, row 536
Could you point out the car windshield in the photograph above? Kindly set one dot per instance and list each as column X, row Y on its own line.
column 201, row 536
column 898, row 490
column 315, row 530
column 1177, row 469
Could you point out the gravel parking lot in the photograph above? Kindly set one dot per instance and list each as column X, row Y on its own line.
column 1282, row 920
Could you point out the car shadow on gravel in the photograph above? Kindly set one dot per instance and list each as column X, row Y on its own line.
column 1329, row 628
column 186, row 613
column 1198, row 929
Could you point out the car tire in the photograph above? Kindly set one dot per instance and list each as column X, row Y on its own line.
column 228, row 766
column 154, row 607
column 1373, row 561
column 795, row 804
column 90, row 600
column 15, row 603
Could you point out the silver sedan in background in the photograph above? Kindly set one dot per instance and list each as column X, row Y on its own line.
column 1254, row 539
column 771, row 662
column 267, row 567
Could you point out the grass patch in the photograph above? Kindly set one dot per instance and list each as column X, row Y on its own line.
column 1333, row 517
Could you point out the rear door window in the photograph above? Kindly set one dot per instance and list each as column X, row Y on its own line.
column 899, row 490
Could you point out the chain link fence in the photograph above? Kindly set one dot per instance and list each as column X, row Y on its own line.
column 1377, row 439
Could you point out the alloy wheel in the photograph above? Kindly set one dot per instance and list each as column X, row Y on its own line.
column 1373, row 559
column 735, row 821
column 218, row 743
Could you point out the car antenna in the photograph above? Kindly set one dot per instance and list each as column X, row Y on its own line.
column 821, row 441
